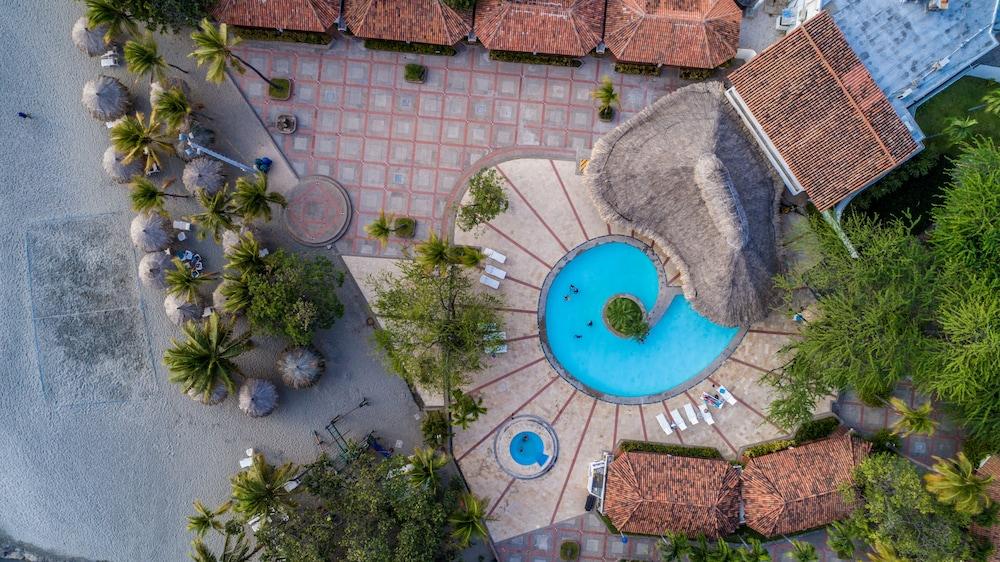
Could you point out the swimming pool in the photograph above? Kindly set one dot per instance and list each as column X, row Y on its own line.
column 679, row 346
column 526, row 448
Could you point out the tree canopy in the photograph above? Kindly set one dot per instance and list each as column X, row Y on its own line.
column 488, row 199
column 156, row 15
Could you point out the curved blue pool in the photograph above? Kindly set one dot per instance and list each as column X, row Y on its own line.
column 679, row 346
column 527, row 449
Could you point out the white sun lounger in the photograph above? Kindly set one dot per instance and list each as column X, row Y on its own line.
column 182, row 225
column 496, row 272
column 291, row 485
column 489, row 281
column 678, row 420
column 727, row 396
column 692, row 417
column 246, row 463
column 664, row 424
column 109, row 58
column 494, row 255
column 707, row 415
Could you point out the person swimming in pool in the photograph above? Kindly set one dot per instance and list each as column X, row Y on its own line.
column 573, row 289
column 590, row 323
column 578, row 336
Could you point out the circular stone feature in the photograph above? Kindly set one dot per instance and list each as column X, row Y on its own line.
column 318, row 212
column 526, row 447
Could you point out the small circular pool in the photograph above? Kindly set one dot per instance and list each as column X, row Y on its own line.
column 526, row 448
column 680, row 344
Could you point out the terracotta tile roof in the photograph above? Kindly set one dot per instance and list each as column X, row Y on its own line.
column 298, row 15
column 829, row 121
column 554, row 27
column 796, row 489
column 691, row 33
column 650, row 493
column 420, row 21
column 992, row 468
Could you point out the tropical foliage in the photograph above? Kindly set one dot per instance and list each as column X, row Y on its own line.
column 425, row 465
column 388, row 225
column 803, row 552
column 215, row 51
column 163, row 15
column 206, row 357
column 142, row 55
column 841, row 537
column 174, row 109
column 252, row 200
column 955, row 482
column 217, row 214
column 146, row 196
column 465, row 409
column 183, row 281
column 236, row 293
column 469, row 520
column 261, row 489
column 205, row 519
column 487, row 200
column 606, row 97
column 625, row 317
column 235, row 547
column 913, row 420
column 111, row 13
column 244, row 256
column 135, row 137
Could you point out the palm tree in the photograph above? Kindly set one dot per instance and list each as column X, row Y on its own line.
column 426, row 463
column 184, row 281
column 174, row 109
column 205, row 519
column 244, row 256
column 674, row 546
column 959, row 129
column 253, row 201
column 991, row 101
column 912, row 420
column 434, row 253
column 466, row 256
column 883, row 553
column 261, row 491
column 148, row 197
column 133, row 136
column 701, row 550
column 215, row 49
column 840, row 539
column 606, row 96
column 469, row 520
column 466, row 409
column 754, row 552
column 113, row 15
column 237, row 294
column 723, row 552
column 803, row 552
column 234, row 547
column 218, row 214
column 955, row 482
column 143, row 58
column 206, row 357
column 381, row 228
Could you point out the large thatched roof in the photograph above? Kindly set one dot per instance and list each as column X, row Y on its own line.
column 115, row 166
column 301, row 366
column 683, row 173
column 204, row 173
column 89, row 41
column 258, row 397
column 151, row 232
column 106, row 98
column 153, row 269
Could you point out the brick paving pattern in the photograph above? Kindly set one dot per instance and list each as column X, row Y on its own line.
column 405, row 147
column 317, row 211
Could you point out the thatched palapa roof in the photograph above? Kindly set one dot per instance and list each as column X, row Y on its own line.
column 151, row 232
column 232, row 237
column 301, row 366
column 153, row 269
column 199, row 134
column 180, row 310
column 106, row 98
column 258, row 397
column 218, row 394
column 683, row 173
column 118, row 169
column 89, row 41
column 204, row 173
column 157, row 88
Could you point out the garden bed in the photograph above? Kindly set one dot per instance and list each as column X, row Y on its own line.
column 258, row 34
column 667, row 449
column 529, row 58
column 403, row 47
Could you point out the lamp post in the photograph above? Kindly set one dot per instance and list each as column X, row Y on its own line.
column 195, row 148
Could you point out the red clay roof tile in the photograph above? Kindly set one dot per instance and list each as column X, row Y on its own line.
column 297, row 15
column 823, row 112
column 690, row 33
column 420, row 21
column 555, row 27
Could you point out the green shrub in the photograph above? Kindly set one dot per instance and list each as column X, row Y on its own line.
column 884, row 441
column 281, row 89
column 767, row 448
column 626, row 317
column 403, row 47
column 435, row 428
column 816, row 429
column 666, row 449
column 404, row 227
column 607, row 523
column 259, row 34
column 530, row 58
column 413, row 72
column 697, row 73
column 637, row 68
column 569, row 550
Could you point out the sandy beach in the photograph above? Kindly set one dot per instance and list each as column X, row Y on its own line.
column 98, row 461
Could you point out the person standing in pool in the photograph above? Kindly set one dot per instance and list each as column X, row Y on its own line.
column 590, row 323
column 578, row 336
column 573, row 289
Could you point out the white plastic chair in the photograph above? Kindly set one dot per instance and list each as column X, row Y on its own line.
column 489, row 281
column 678, row 420
column 689, row 410
column 494, row 255
column 496, row 272
column 664, row 424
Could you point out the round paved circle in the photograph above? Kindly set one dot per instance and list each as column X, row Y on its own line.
column 503, row 446
column 318, row 211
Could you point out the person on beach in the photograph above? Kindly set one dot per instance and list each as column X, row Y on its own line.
column 24, row 115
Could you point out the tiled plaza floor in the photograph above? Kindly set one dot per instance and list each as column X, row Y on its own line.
column 405, row 147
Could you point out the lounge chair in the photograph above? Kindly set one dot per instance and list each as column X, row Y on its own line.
column 495, row 255
column 182, row 225
column 489, row 281
column 727, row 396
column 689, row 410
column 664, row 424
column 705, row 414
column 500, row 346
column 678, row 420
column 246, row 463
column 254, row 523
column 110, row 58
column 496, row 272
column 291, row 485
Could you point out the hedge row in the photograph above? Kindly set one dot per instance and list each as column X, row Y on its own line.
column 258, row 34
column 768, row 448
column 675, row 450
column 529, row 58
column 637, row 68
column 809, row 431
column 404, row 47
column 696, row 73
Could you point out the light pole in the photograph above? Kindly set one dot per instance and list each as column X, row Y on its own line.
column 195, row 148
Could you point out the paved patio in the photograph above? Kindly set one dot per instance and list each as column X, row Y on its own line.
column 405, row 147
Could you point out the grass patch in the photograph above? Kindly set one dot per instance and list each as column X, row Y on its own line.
column 665, row 449
column 258, row 34
column 403, row 47
column 529, row 58
column 281, row 89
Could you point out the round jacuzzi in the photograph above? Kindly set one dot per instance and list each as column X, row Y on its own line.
column 525, row 447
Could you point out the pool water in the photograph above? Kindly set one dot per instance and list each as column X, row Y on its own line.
column 527, row 449
column 679, row 346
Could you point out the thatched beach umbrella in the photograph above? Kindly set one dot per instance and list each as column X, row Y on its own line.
column 115, row 166
column 218, row 394
column 158, row 87
column 232, row 237
column 258, row 397
column 204, row 173
column 219, row 299
column 180, row 310
column 106, row 98
column 198, row 133
column 153, row 269
column 89, row 41
column 301, row 366
column 151, row 232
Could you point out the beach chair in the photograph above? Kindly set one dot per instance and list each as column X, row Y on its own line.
column 496, row 272
column 489, row 281
column 495, row 255
column 500, row 346
column 182, row 225
column 110, row 59
column 291, row 485
column 727, row 396
column 664, row 424
column 254, row 523
column 705, row 414
column 678, row 420
column 689, row 410
column 246, row 463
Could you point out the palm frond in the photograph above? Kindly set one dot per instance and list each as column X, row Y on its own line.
column 143, row 57
column 205, row 358
column 253, row 201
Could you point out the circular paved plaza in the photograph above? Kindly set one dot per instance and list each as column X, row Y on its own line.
column 318, row 212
